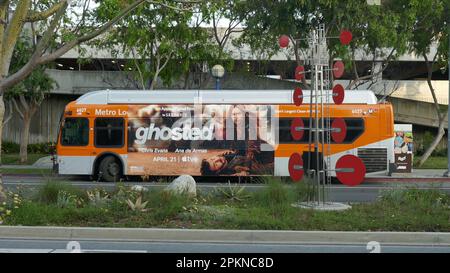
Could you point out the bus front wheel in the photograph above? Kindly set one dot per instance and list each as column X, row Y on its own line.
column 110, row 169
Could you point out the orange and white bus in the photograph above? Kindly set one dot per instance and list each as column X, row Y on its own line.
column 118, row 133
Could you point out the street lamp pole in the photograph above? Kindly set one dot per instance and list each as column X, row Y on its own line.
column 217, row 83
column 218, row 72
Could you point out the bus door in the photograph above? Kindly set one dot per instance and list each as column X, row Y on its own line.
column 75, row 156
column 109, row 138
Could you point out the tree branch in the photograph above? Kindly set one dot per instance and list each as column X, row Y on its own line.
column 430, row 85
column 216, row 34
column 28, row 68
column 24, row 103
column 3, row 18
column 64, row 49
column 13, row 30
column 168, row 58
column 34, row 16
column 34, row 107
column 9, row 115
column 141, row 76
column 17, row 107
column 373, row 74
column 83, row 16
column 170, row 6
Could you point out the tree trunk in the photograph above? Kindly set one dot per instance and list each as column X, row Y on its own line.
column 434, row 144
column 2, row 114
column 186, row 80
column 441, row 117
column 155, row 77
column 24, row 138
column 2, row 191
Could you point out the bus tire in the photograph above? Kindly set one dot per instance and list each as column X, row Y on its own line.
column 110, row 169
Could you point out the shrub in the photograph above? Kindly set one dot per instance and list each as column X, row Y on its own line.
column 37, row 148
column 137, row 205
column 304, row 190
column 98, row 197
column 233, row 193
column 66, row 200
column 440, row 152
column 54, row 192
column 41, row 148
column 10, row 147
column 275, row 197
column 416, row 197
column 166, row 204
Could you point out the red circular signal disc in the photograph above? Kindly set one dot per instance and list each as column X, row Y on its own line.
column 338, row 69
column 297, row 122
column 345, row 37
column 298, row 96
column 283, row 41
column 338, row 94
column 347, row 177
column 296, row 167
column 338, row 124
column 299, row 72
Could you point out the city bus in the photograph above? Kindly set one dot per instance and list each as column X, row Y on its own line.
column 112, row 134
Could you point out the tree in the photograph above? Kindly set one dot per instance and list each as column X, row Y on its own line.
column 381, row 32
column 163, row 43
column 264, row 24
column 432, row 28
column 28, row 95
column 219, row 11
column 61, row 27
column 197, row 52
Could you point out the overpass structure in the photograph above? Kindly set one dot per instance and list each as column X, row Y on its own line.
column 411, row 100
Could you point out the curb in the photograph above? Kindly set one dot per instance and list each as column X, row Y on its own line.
column 224, row 236
column 405, row 179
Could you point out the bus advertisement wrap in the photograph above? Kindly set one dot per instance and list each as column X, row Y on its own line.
column 202, row 139
column 117, row 133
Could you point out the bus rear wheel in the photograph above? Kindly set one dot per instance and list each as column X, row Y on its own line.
column 110, row 169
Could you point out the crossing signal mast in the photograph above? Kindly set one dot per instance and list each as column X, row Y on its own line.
column 322, row 129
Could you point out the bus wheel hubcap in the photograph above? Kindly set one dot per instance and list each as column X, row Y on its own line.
column 113, row 169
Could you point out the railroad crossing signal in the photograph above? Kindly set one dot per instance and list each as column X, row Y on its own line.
column 350, row 170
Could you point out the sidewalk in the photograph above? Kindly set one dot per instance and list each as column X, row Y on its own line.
column 41, row 163
column 416, row 173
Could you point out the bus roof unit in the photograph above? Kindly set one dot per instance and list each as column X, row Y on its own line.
column 213, row 97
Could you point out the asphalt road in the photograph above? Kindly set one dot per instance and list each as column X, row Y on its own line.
column 366, row 192
column 49, row 246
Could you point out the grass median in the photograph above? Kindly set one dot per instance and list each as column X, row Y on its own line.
column 433, row 162
column 14, row 159
column 59, row 204
column 35, row 171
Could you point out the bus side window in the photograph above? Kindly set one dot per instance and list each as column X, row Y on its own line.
column 75, row 132
column 355, row 128
column 285, row 136
column 109, row 132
